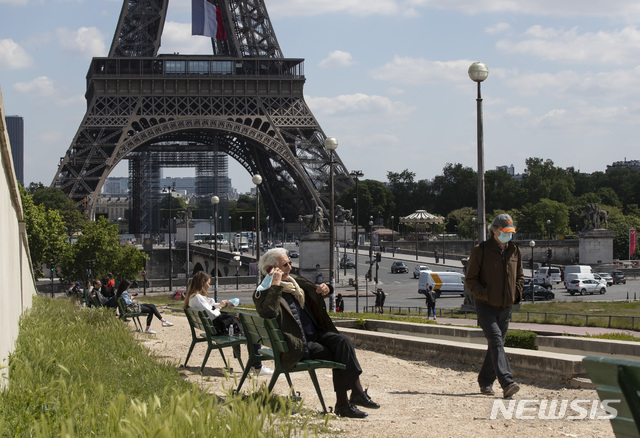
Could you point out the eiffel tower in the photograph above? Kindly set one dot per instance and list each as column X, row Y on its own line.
column 245, row 100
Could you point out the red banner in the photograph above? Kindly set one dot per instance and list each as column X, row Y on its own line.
column 632, row 242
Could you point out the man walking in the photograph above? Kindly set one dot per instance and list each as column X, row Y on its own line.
column 495, row 278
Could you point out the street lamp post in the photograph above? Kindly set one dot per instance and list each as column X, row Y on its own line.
column 344, row 223
column 532, row 244
column 549, row 242
column 169, row 190
column 240, row 234
column 331, row 144
column 368, row 276
column 230, row 236
column 283, row 232
column 214, row 201
column 475, row 230
column 357, row 174
column 393, row 239
column 478, row 72
column 210, row 231
column 257, row 180
column 255, row 237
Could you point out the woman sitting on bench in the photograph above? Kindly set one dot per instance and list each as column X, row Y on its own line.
column 198, row 299
column 134, row 306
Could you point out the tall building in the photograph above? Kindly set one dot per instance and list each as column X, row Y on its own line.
column 15, row 129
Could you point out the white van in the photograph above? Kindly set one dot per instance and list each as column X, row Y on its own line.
column 441, row 282
column 577, row 272
column 548, row 275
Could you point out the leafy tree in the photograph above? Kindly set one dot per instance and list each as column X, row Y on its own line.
column 99, row 242
column 620, row 225
column 457, row 187
column 46, row 232
column 534, row 218
column 462, row 221
column 373, row 198
column 53, row 198
column 501, row 190
column 544, row 180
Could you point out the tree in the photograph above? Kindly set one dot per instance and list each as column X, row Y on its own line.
column 462, row 221
column 99, row 242
column 46, row 232
column 457, row 187
column 534, row 218
column 53, row 198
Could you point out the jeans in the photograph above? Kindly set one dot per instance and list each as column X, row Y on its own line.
column 494, row 323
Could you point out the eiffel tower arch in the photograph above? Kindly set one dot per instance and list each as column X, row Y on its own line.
column 244, row 101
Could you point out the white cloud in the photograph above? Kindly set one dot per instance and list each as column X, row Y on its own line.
column 292, row 8
column 13, row 56
column 618, row 47
column 337, row 58
column 86, row 42
column 359, row 104
column 176, row 37
column 41, row 86
column 416, row 71
column 498, row 28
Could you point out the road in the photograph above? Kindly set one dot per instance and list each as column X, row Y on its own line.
column 402, row 289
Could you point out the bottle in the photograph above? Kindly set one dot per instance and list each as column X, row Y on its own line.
column 231, row 330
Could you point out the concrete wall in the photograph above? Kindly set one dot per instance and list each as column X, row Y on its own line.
column 18, row 285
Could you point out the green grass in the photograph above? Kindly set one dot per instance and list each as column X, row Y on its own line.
column 79, row 372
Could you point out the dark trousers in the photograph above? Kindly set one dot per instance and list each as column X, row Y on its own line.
column 150, row 310
column 338, row 348
column 494, row 323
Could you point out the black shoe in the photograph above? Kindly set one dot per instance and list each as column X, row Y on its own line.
column 487, row 390
column 363, row 400
column 510, row 390
column 349, row 411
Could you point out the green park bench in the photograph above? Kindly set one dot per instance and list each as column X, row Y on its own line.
column 125, row 314
column 618, row 379
column 200, row 321
column 267, row 332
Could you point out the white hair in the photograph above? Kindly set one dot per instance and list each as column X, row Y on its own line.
column 270, row 258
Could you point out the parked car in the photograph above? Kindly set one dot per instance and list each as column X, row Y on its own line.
column 539, row 293
column 618, row 277
column 529, row 280
column 399, row 267
column 587, row 286
column 418, row 269
column 549, row 275
column 348, row 263
column 293, row 254
column 606, row 277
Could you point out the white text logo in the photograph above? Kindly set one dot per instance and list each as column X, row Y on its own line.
column 553, row 409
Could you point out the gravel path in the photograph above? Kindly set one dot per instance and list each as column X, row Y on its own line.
column 418, row 399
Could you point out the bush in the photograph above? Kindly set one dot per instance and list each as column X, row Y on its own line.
column 521, row 339
column 80, row 372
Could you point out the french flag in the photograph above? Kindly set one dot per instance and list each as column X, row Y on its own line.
column 206, row 20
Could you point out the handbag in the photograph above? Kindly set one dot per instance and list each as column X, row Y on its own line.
column 134, row 307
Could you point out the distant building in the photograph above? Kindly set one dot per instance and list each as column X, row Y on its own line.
column 633, row 164
column 113, row 206
column 115, row 186
column 15, row 129
column 509, row 169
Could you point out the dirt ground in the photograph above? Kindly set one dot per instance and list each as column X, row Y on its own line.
column 417, row 399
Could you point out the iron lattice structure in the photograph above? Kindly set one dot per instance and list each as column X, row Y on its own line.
column 244, row 101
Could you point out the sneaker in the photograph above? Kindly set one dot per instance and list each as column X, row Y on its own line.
column 149, row 332
column 265, row 371
column 510, row 390
column 487, row 390
column 166, row 324
column 349, row 411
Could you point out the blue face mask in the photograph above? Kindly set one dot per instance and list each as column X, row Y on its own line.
column 505, row 237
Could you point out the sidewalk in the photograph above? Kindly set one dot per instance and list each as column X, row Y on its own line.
column 545, row 329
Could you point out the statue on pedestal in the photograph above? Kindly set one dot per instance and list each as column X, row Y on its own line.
column 594, row 217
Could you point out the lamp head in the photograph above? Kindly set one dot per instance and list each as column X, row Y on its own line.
column 478, row 72
column 215, row 200
column 331, row 143
column 256, row 179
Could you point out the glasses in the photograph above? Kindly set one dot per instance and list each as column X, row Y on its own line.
column 285, row 264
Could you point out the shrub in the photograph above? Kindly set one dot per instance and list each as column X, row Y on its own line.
column 521, row 339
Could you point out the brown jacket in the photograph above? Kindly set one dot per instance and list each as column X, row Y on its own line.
column 270, row 304
column 492, row 278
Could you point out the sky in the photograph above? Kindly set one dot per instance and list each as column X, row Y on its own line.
column 387, row 78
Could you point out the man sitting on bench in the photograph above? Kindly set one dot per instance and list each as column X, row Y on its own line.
column 299, row 307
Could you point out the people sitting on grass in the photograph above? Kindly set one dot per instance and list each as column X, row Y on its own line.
column 134, row 306
column 198, row 299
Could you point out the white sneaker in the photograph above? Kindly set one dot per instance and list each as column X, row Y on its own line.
column 166, row 324
column 149, row 332
column 266, row 371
